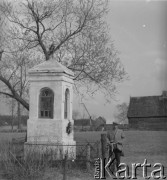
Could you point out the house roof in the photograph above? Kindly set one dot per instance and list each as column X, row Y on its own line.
column 52, row 66
column 101, row 119
column 97, row 123
column 82, row 122
column 148, row 106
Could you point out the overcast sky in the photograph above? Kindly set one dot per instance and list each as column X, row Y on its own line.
column 138, row 29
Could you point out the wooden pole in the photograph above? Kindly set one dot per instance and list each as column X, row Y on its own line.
column 104, row 145
column 65, row 167
column 98, row 150
column 103, row 152
column 88, row 157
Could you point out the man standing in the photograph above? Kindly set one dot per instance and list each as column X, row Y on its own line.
column 115, row 140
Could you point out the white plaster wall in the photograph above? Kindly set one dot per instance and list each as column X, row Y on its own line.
column 35, row 88
column 49, row 130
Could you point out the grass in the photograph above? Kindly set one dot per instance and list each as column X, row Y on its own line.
column 139, row 145
column 7, row 128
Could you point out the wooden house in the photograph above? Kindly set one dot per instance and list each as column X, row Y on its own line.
column 149, row 112
column 82, row 124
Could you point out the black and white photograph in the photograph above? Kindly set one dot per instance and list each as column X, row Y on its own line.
column 83, row 89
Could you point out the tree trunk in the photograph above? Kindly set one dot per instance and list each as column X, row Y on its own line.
column 18, row 115
column 12, row 113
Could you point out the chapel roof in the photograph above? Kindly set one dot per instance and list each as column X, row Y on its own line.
column 51, row 66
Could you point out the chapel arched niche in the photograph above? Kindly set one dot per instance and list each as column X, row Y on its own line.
column 67, row 104
column 46, row 103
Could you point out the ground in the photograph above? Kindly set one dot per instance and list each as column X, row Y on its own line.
column 139, row 145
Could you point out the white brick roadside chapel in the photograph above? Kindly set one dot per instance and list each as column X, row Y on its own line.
column 50, row 114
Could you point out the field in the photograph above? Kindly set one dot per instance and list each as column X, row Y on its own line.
column 139, row 145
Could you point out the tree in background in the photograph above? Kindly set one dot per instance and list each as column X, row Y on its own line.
column 14, row 71
column 121, row 114
column 12, row 107
column 13, row 67
column 72, row 32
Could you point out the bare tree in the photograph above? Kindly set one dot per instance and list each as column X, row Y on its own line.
column 121, row 114
column 14, row 70
column 13, row 74
column 13, row 66
column 73, row 32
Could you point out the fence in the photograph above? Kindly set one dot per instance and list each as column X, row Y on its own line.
column 86, row 153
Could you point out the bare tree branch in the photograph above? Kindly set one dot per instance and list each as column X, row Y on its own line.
column 73, row 32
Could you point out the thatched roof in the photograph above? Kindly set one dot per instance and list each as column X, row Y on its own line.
column 148, row 106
